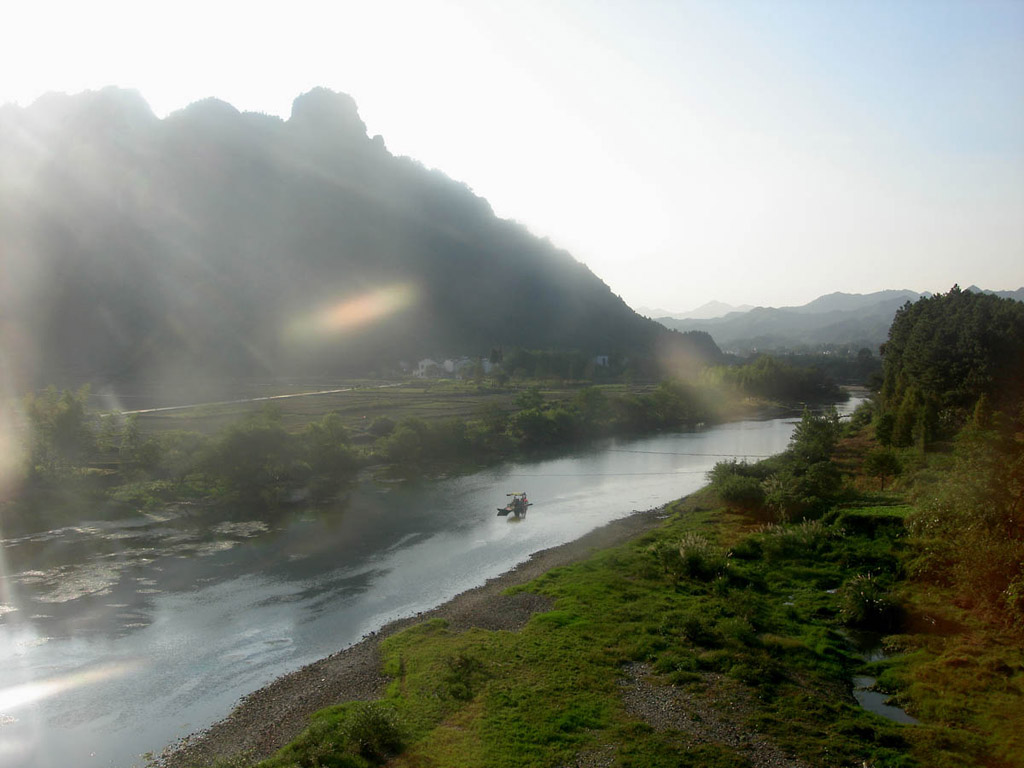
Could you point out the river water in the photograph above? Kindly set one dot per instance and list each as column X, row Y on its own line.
column 117, row 638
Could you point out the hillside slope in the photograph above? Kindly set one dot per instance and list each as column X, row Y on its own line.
column 215, row 243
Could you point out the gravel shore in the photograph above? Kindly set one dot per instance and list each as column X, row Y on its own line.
column 264, row 721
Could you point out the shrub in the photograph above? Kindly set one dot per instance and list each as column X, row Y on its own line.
column 382, row 426
column 373, row 730
column 667, row 555
column 808, row 537
column 749, row 548
column 779, row 496
column 699, row 632
column 866, row 603
column 699, row 559
column 742, row 492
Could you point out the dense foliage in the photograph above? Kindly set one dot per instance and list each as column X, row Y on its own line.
column 774, row 379
column 942, row 355
column 954, row 370
column 798, row 483
column 79, row 459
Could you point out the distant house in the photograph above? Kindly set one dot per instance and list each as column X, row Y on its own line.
column 601, row 360
column 428, row 369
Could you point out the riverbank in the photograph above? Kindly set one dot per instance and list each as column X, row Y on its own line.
column 269, row 718
column 685, row 635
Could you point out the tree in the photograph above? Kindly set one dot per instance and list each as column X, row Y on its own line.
column 62, row 430
column 530, row 398
column 882, row 463
column 885, row 425
column 253, row 457
column 815, row 437
column 944, row 352
column 325, row 445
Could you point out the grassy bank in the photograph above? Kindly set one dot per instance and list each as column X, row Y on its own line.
column 716, row 640
column 704, row 644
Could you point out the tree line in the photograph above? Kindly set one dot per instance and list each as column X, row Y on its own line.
column 83, row 461
column 87, row 460
column 952, row 406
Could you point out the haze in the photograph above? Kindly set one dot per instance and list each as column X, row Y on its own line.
column 752, row 152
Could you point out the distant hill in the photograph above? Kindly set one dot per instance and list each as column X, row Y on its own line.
column 705, row 311
column 854, row 302
column 216, row 244
column 838, row 319
column 1017, row 295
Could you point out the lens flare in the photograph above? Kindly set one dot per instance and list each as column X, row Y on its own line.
column 12, row 446
column 355, row 312
column 16, row 696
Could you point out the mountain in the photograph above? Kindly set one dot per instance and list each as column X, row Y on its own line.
column 705, row 311
column 216, row 244
column 1017, row 295
column 845, row 320
column 854, row 302
column 838, row 319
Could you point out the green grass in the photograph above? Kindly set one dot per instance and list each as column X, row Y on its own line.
column 708, row 602
column 427, row 399
column 964, row 676
column 765, row 619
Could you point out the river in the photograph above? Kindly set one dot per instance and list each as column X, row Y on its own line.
column 120, row 637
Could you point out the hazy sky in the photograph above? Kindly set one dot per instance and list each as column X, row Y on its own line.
column 760, row 152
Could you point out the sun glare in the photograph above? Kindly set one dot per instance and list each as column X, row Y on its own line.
column 16, row 696
column 12, row 449
column 353, row 313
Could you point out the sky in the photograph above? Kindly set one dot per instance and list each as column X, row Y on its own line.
column 753, row 152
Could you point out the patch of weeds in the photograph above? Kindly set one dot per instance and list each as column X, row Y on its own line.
column 464, row 673
column 643, row 747
column 374, row 732
column 700, row 559
column 700, row 631
column 738, row 631
column 867, row 603
column 353, row 735
column 749, row 548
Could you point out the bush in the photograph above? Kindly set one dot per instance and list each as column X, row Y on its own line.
column 699, row 559
column 809, row 537
column 382, row 426
column 699, row 632
column 741, row 492
column 373, row 731
column 692, row 557
column 779, row 496
column 867, row 604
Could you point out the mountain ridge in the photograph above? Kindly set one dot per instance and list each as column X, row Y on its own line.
column 837, row 319
column 217, row 243
column 706, row 311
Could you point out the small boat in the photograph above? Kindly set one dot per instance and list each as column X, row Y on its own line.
column 517, row 505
